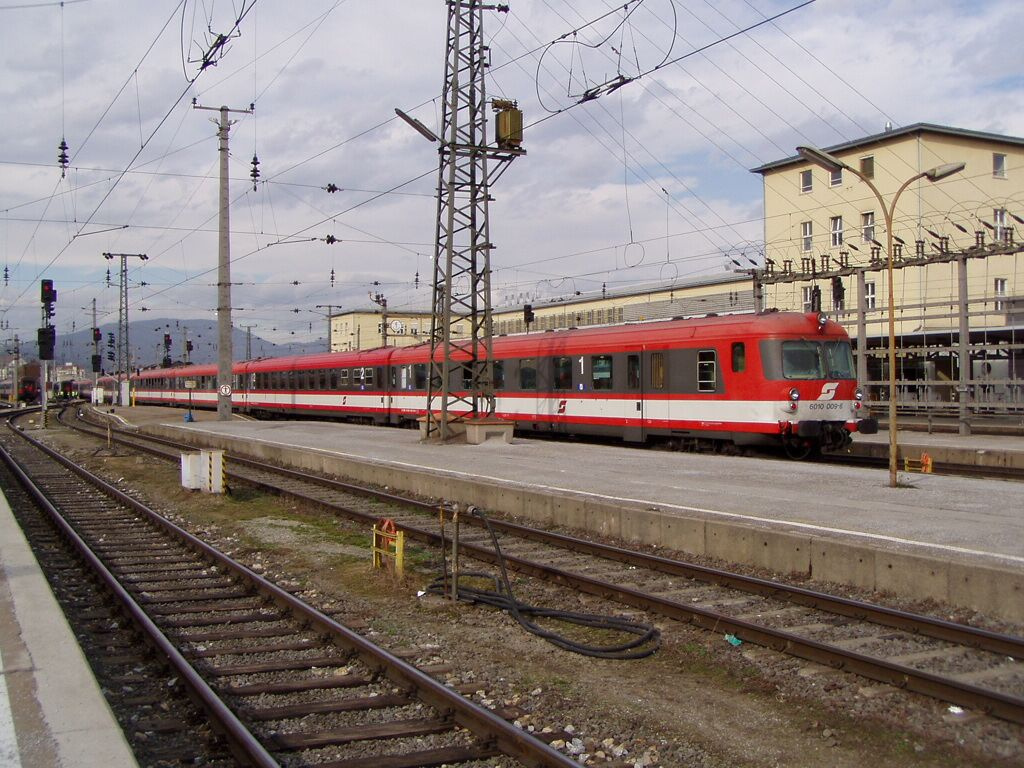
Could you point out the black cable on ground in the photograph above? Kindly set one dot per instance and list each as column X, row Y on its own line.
column 646, row 642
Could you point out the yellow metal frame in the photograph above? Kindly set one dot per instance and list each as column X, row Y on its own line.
column 924, row 464
column 388, row 545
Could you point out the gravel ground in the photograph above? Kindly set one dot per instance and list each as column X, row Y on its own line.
column 699, row 701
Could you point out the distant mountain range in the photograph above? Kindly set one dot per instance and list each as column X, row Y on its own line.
column 147, row 342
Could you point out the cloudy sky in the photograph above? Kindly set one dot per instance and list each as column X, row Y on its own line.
column 650, row 182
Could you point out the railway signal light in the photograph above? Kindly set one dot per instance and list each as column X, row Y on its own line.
column 47, row 339
column 47, row 294
column 97, row 334
column 527, row 314
column 838, row 292
column 97, row 364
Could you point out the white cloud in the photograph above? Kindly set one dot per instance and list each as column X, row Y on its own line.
column 827, row 73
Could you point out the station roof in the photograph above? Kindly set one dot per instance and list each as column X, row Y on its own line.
column 879, row 138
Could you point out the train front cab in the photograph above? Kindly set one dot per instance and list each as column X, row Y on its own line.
column 821, row 404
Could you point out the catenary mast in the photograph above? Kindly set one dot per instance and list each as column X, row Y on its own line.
column 460, row 336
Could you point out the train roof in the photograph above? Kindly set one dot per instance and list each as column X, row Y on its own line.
column 180, row 370
column 660, row 334
column 367, row 357
column 650, row 335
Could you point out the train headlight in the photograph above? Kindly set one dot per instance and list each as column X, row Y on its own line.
column 858, row 394
column 822, row 319
column 794, row 394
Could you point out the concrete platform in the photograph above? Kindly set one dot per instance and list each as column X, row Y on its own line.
column 951, row 539
column 985, row 450
column 52, row 712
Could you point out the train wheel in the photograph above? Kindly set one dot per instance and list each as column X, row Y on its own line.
column 798, row 450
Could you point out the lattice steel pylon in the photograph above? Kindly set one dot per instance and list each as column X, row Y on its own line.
column 462, row 274
column 124, row 350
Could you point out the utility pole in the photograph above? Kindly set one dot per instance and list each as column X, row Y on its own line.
column 224, row 356
column 16, row 380
column 124, row 363
column 381, row 301
column 96, row 336
column 462, row 273
column 330, row 326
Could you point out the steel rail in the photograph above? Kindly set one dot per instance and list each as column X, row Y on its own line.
column 997, row 704
column 1000, row 705
column 242, row 742
column 485, row 724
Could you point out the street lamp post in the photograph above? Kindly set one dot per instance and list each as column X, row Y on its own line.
column 832, row 164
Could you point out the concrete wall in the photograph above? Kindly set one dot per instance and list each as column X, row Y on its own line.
column 984, row 587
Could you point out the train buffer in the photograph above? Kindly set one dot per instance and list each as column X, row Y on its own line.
column 923, row 464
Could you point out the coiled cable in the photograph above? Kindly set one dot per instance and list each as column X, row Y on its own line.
column 647, row 638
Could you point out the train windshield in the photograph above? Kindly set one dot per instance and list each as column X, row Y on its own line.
column 839, row 360
column 817, row 360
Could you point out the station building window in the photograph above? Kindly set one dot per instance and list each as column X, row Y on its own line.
column 836, row 227
column 807, row 297
column 806, row 235
column 806, row 181
column 998, row 165
column 867, row 226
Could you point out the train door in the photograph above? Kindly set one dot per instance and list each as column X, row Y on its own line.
column 389, row 380
column 634, row 429
column 563, row 375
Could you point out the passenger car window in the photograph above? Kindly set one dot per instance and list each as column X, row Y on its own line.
column 601, row 371
column 739, row 357
column 633, row 371
column 707, row 370
column 563, row 373
column 657, row 370
column 528, row 373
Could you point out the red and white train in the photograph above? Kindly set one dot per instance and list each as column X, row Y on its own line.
column 784, row 379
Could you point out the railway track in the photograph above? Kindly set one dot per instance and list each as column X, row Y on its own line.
column 962, row 665
column 280, row 682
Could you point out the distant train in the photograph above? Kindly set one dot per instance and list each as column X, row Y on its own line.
column 71, row 389
column 28, row 390
column 783, row 379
